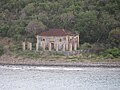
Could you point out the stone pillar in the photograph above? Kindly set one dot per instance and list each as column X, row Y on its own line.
column 37, row 47
column 43, row 45
column 63, row 47
column 78, row 40
column 37, row 44
column 56, row 46
column 30, row 46
column 49, row 46
column 70, row 47
column 23, row 45
column 75, row 46
column 67, row 43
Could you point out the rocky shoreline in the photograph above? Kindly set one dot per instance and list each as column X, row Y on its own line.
column 10, row 60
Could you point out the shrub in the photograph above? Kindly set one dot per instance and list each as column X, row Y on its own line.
column 109, row 56
column 16, row 47
column 1, row 50
column 85, row 46
column 115, row 52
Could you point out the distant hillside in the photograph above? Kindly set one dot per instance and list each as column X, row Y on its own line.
column 93, row 19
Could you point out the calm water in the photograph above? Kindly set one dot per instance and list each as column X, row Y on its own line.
column 58, row 78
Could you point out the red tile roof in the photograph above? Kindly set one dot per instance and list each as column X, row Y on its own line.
column 56, row 32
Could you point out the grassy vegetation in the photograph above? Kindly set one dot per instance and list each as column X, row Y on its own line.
column 112, row 53
column 88, row 57
column 1, row 50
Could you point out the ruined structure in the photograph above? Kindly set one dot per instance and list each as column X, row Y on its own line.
column 57, row 40
column 26, row 45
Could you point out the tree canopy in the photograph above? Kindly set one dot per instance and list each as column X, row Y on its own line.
column 93, row 19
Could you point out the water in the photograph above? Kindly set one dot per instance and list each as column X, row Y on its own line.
column 58, row 78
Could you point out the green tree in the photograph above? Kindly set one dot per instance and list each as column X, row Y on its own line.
column 35, row 27
column 114, row 37
column 4, row 30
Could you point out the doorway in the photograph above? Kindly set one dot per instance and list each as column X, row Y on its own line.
column 52, row 46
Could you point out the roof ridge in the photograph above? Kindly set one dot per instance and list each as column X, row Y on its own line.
column 56, row 32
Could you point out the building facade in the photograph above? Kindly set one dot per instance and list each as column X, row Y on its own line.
column 57, row 40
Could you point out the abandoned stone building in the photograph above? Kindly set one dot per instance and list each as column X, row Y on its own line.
column 57, row 40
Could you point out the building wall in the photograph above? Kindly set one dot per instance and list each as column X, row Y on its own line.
column 44, row 41
column 52, row 39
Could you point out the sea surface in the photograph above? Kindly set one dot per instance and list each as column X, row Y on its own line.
column 58, row 78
